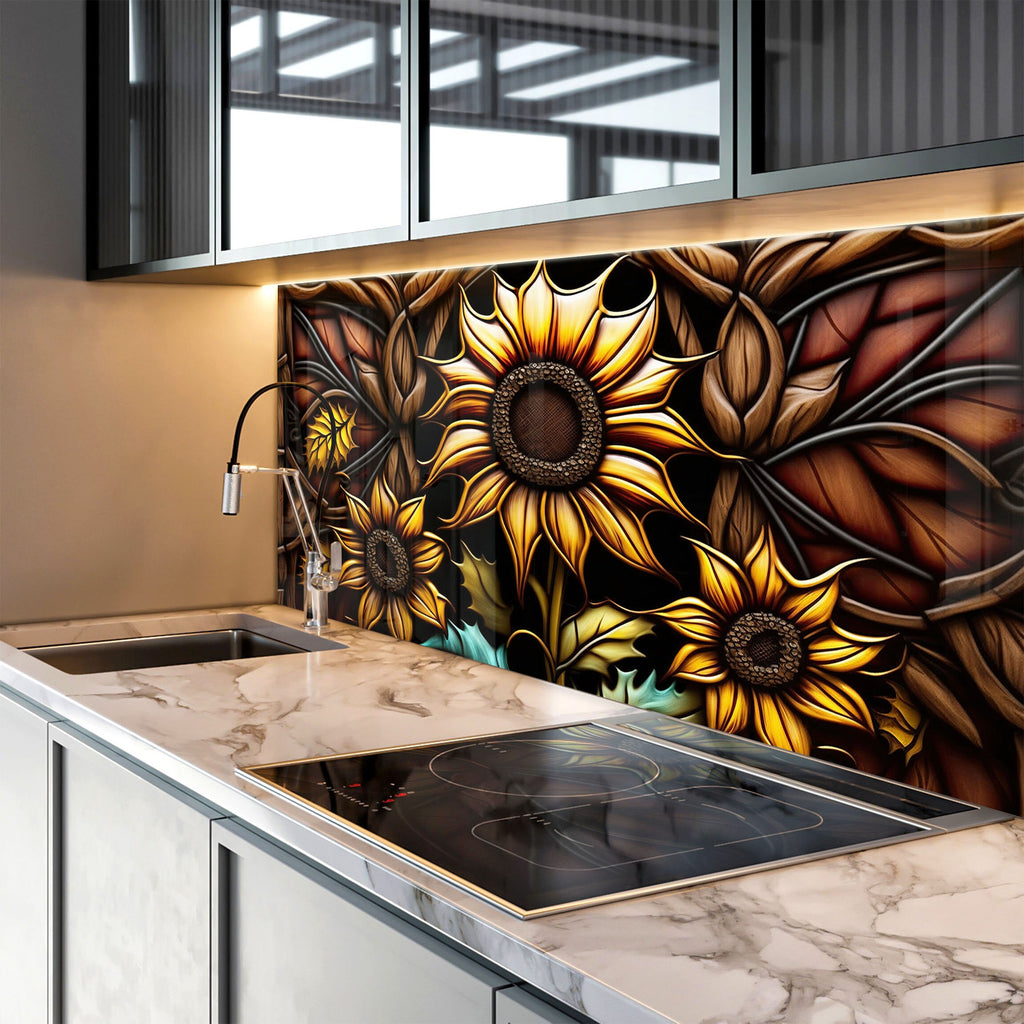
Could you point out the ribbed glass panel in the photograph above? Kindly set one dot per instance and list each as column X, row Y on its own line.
column 152, row 127
column 314, row 132
column 844, row 79
column 546, row 101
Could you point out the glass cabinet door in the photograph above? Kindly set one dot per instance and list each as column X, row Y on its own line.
column 149, row 156
column 529, row 103
column 834, row 81
column 312, row 127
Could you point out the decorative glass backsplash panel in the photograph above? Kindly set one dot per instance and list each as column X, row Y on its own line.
column 774, row 487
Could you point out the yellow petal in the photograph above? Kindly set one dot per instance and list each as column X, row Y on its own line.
column 767, row 583
column 425, row 602
column 837, row 651
column 468, row 402
column 698, row 663
column 426, row 553
column 520, row 522
column 399, row 620
column 383, row 504
column 371, row 608
column 809, row 608
column 465, row 448
column 358, row 514
column 566, row 528
column 465, row 373
column 646, row 388
column 655, row 432
column 536, row 312
column 488, row 342
column 694, row 619
column 830, row 700
column 409, row 518
column 778, row 724
column 621, row 343
column 619, row 530
column 576, row 317
column 627, row 474
column 353, row 573
column 721, row 580
column 727, row 707
column 481, row 496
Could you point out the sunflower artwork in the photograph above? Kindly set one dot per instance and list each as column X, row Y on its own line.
column 772, row 487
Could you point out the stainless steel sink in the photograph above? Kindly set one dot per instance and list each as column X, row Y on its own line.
column 175, row 649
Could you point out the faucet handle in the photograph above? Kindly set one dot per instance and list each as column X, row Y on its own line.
column 336, row 557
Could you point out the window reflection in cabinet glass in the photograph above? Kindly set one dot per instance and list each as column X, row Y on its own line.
column 841, row 80
column 314, row 136
column 534, row 103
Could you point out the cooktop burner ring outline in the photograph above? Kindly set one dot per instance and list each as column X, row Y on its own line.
column 646, row 769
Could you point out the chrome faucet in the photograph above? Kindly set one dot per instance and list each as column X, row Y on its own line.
column 323, row 570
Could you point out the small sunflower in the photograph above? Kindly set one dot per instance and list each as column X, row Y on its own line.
column 764, row 645
column 557, row 421
column 389, row 559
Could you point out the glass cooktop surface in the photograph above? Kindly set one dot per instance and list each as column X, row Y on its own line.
column 550, row 819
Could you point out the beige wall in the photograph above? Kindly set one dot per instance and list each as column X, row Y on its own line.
column 117, row 401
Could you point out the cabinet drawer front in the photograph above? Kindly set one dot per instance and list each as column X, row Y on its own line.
column 296, row 945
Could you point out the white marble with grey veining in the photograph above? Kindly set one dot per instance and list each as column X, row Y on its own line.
column 919, row 932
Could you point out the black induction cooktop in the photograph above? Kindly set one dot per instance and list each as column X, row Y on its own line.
column 556, row 818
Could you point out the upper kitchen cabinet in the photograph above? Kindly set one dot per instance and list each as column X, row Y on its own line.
column 149, row 153
column 835, row 92
column 540, row 110
column 312, row 129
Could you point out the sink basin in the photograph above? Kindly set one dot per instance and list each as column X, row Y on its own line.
column 175, row 649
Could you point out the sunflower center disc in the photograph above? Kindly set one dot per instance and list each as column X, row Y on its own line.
column 764, row 649
column 547, row 425
column 387, row 561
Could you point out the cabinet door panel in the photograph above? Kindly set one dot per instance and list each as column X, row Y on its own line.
column 297, row 945
column 133, row 865
column 514, row 1006
column 611, row 104
column 149, row 167
column 23, row 876
column 313, row 130
column 833, row 92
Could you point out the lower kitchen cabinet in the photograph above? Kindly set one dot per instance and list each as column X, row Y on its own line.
column 296, row 945
column 24, row 882
column 132, row 890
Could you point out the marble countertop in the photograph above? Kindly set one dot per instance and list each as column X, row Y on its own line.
column 925, row 931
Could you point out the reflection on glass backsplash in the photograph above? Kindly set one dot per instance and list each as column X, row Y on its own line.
column 773, row 487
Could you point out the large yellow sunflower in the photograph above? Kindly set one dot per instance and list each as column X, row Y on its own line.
column 557, row 421
column 764, row 645
column 389, row 558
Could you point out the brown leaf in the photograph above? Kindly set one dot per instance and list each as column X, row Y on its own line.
column 736, row 518
column 706, row 269
column 922, row 679
column 990, row 646
column 679, row 322
column 442, row 311
column 806, row 401
column 999, row 237
column 747, row 375
column 776, row 263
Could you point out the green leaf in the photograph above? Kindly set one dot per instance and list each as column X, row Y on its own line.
column 687, row 703
column 598, row 637
column 480, row 578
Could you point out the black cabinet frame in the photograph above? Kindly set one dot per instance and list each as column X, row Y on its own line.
column 738, row 131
